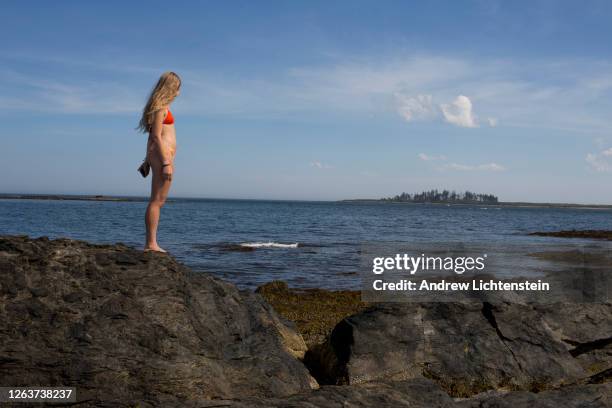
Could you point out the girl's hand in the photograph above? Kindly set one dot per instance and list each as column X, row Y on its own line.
column 167, row 172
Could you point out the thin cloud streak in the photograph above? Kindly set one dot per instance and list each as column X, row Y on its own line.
column 426, row 157
column 320, row 165
column 545, row 94
column 495, row 167
column 479, row 167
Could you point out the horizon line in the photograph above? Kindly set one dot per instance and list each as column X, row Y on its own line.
column 183, row 197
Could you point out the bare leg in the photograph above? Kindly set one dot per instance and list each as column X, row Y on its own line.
column 159, row 193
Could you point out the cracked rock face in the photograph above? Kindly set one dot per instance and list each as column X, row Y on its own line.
column 415, row 393
column 467, row 348
column 122, row 325
column 138, row 329
column 423, row 393
column 585, row 330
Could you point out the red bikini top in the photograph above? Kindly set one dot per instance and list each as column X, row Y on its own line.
column 169, row 118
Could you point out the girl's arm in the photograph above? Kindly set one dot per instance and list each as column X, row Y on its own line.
column 156, row 131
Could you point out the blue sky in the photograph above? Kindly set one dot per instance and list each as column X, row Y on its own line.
column 313, row 100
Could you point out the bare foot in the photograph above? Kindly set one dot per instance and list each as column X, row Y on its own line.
column 154, row 249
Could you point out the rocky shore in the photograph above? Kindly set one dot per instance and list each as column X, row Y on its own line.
column 588, row 234
column 128, row 328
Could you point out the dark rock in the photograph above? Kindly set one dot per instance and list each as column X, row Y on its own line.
column 39, row 292
column 415, row 393
column 126, row 327
column 581, row 396
column 466, row 348
column 586, row 331
column 139, row 329
column 237, row 248
column 592, row 234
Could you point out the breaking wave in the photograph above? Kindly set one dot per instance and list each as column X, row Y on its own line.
column 268, row 245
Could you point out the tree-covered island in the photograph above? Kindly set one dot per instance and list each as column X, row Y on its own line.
column 445, row 196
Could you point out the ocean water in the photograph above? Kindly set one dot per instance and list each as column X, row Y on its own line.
column 307, row 244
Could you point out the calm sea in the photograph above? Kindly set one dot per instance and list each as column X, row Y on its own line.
column 307, row 244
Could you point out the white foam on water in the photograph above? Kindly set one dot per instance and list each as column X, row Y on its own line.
column 268, row 245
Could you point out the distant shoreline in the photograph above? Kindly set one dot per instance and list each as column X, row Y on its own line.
column 77, row 197
column 498, row 204
column 68, row 197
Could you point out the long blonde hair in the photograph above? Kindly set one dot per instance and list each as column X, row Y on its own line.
column 162, row 94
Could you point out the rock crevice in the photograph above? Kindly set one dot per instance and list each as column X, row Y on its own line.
column 468, row 348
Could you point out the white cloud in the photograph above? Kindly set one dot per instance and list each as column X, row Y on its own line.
column 319, row 165
column 459, row 112
column 415, row 107
column 479, row 167
column 601, row 162
column 426, row 157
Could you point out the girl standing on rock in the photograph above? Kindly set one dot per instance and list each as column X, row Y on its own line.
column 157, row 120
